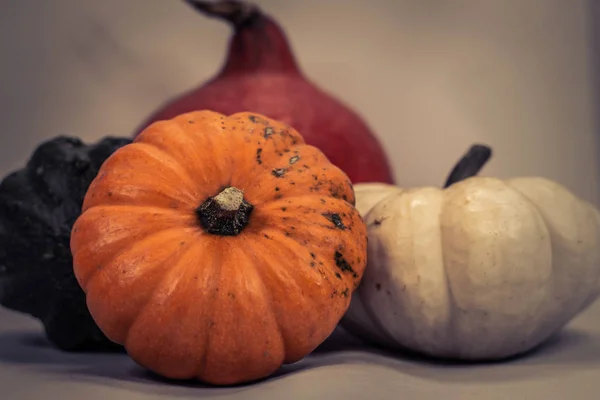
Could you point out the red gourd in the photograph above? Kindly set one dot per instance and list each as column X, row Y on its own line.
column 261, row 75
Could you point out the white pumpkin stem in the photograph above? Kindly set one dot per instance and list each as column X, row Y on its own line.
column 470, row 164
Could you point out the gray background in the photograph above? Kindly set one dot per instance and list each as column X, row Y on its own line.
column 429, row 77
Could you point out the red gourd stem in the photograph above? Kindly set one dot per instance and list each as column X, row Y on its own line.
column 259, row 43
column 470, row 164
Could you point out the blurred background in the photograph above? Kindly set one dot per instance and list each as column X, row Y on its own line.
column 430, row 77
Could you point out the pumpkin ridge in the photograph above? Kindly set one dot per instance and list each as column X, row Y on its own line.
column 216, row 261
column 272, row 301
column 277, row 235
column 486, row 198
column 105, row 312
column 166, row 217
column 164, row 158
column 147, row 209
column 453, row 310
column 135, row 196
column 323, row 188
column 555, row 232
column 267, row 294
column 245, row 262
column 316, row 204
column 405, row 210
column 125, row 178
column 319, row 275
column 177, row 257
column 313, row 230
column 287, row 200
column 124, row 245
column 186, row 149
column 134, row 204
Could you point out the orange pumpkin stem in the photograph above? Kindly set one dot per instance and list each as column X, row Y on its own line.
column 225, row 214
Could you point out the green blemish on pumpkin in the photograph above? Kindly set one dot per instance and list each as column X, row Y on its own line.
column 257, row 120
column 335, row 219
column 258, row 155
column 278, row 172
column 342, row 264
column 268, row 132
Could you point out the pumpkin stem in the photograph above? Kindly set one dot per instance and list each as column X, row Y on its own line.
column 238, row 13
column 470, row 164
column 225, row 214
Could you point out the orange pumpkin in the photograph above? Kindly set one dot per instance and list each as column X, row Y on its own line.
column 218, row 247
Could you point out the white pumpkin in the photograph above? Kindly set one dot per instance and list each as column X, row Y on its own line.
column 484, row 269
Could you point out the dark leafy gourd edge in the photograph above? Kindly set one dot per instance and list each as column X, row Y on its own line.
column 38, row 207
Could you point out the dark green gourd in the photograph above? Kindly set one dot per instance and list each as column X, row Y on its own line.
column 38, row 206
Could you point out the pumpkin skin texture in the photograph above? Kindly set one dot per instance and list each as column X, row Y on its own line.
column 195, row 282
column 38, row 205
column 485, row 269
